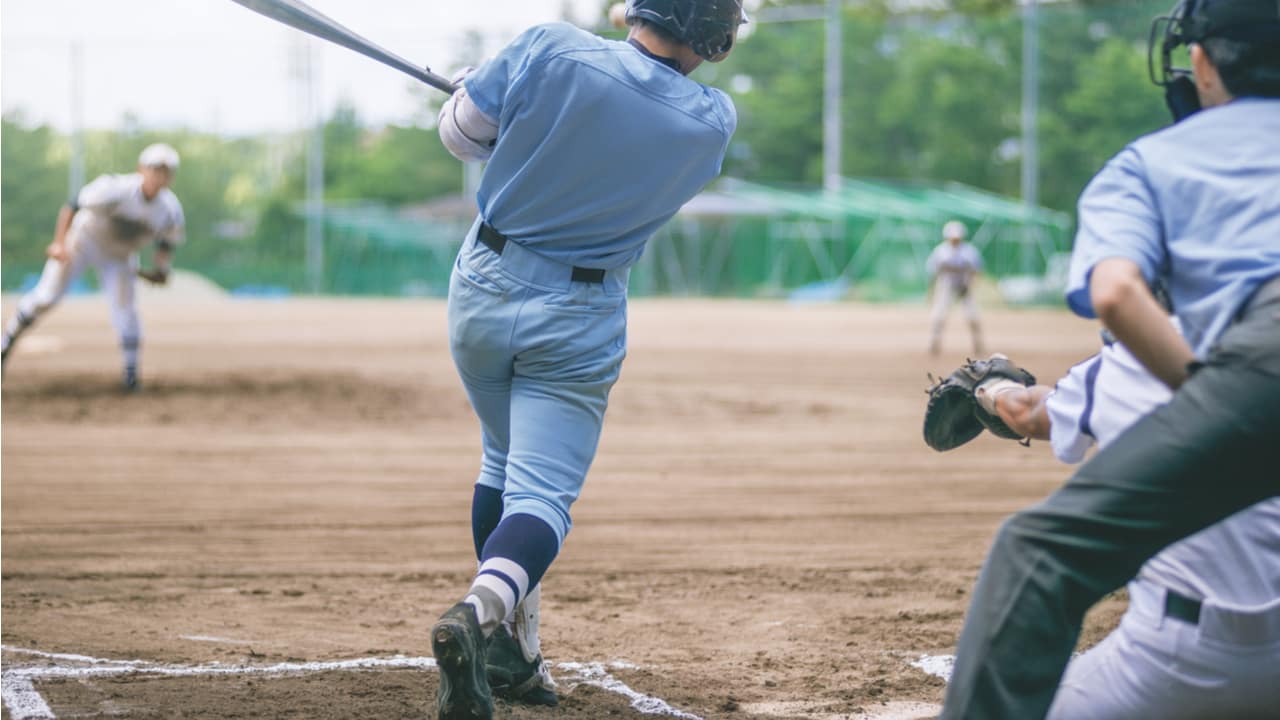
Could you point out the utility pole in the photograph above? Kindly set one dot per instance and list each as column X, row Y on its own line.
column 75, row 174
column 832, row 82
column 1030, row 105
column 307, row 73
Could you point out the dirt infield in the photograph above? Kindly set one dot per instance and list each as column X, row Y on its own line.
column 764, row 533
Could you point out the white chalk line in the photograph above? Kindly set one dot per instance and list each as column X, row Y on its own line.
column 936, row 665
column 26, row 703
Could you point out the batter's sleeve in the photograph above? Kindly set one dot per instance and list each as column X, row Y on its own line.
column 1118, row 217
column 490, row 85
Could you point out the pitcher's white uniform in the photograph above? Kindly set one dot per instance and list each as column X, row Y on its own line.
column 1226, row 664
column 112, row 222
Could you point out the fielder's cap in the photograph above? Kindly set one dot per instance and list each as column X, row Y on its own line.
column 954, row 229
column 159, row 155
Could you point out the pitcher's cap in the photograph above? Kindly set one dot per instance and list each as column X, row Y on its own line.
column 159, row 155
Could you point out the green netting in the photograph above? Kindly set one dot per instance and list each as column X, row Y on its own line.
column 870, row 238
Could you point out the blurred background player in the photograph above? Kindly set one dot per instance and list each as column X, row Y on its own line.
column 105, row 226
column 591, row 145
column 1201, row 637
column 1195, row 208
column 952, row 267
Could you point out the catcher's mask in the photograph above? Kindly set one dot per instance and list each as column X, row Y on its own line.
column 1190, row 22
column 707, row 26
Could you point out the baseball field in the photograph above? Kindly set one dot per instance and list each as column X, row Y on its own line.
column 271, row 526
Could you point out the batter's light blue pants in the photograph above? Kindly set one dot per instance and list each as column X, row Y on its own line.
column 538, row 354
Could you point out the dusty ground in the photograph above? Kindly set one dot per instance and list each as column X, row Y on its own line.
column 764, row 533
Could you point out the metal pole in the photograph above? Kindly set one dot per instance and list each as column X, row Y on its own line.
column 315, row 173
column 1030, row 105
column 75, row 174
column 831, row 100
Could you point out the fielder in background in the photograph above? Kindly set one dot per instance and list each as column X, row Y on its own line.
column 1195, row 208
column 591, row 145
column 1201, row 637
column 952, row 267
column 105, row 226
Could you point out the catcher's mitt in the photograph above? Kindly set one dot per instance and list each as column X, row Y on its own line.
column 155, row 276
column 954, row 417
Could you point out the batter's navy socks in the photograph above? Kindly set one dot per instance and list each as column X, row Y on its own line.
column 486, row 512
column 459, row 649
column 525, row 540
column 512, row 677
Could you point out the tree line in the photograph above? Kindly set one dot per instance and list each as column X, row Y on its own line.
column 925, row 96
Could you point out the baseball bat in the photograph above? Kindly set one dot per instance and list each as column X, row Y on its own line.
column 298, row 14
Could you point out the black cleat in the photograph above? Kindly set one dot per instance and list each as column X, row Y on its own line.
column 459, row 648
column 513, row 678
column 130, row 383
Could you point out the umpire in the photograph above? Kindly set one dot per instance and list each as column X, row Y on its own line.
column 1196, row 207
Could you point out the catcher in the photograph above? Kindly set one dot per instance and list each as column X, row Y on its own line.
column 1201, row 637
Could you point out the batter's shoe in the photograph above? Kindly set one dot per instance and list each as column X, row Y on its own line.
column 515, row 679
column 459, row 648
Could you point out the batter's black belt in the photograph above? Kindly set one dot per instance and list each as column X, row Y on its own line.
column 497, row 242
column 1181, row 607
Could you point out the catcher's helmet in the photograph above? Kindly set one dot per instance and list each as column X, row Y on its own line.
column 707, row 26
column 1191, row 21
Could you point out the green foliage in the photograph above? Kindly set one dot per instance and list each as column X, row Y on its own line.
column 938, row 95
column 926, row 96
column 33, row 186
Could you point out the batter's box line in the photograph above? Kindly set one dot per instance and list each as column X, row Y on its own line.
column 17, row 684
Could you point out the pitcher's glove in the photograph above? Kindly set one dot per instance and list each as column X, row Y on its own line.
column 155, row 276
column 954, row 416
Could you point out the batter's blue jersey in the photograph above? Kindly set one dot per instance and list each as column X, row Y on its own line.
column 1197, row 206
column 598, row 145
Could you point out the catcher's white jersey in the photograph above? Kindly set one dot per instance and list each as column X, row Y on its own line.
column 114, row 214
column 1152, row 666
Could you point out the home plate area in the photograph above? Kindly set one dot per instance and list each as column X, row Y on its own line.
column 90, row 686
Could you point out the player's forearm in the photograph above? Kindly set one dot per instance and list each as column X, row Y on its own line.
column 1023, row 409
column 1127, row 308
column 62, row 225
column 162, row 259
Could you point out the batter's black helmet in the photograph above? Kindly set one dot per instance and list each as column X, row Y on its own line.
column 707, row 26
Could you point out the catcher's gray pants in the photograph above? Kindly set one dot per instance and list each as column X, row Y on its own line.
column 1213, row 450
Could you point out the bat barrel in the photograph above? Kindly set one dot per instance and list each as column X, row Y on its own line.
column 299, row 15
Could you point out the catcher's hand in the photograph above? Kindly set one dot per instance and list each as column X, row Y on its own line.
column 954, row 416
column 155, row 276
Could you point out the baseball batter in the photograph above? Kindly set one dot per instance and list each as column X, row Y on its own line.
column 591, row 145
column 104, row 227
column 952, row 267
column 1201, row 637
column 1194, row 208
